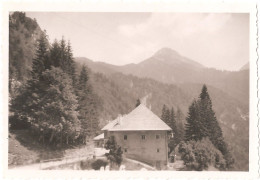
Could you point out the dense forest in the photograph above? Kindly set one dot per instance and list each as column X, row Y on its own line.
column 63, row 102
column 57, row 105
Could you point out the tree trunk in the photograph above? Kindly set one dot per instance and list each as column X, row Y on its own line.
column 51, row 138
column 61, row 140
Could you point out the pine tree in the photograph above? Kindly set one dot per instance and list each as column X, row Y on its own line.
column 163, row 113
column 57, row 117
column 87, row 106
column 180, row 124
column 40, row 62
column 202, row 123
column 166, row 115
column 70, row 63
column 211, row 126
column 55, row 54
column 172, row 121
column 194, row 127
column 27, row 102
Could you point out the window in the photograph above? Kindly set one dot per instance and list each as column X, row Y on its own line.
column 158, row 150
column 125, row 137
column 125, row 150
column 157, row 136
column 143, row 137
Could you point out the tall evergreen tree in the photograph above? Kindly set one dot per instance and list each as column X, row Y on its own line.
column 70, row 63
column 48, row 103
column 172, row 121
column 194, row 127
column 180, row 124
column 87, row 106
column 202, row 123
column 166, row 115
column 211, row 125
column 55, row 54
column 57, row 117
column 40, row 62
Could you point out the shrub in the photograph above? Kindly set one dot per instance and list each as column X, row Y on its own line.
column 199, row 155
column 115, row 152
column 98, row 164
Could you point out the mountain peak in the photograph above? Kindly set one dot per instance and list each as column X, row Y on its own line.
column 166, row 52
column 172, row 57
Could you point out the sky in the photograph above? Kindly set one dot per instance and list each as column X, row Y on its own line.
column 219, row 40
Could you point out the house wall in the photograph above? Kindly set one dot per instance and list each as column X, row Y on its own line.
column 143, row 149
column 99, row 143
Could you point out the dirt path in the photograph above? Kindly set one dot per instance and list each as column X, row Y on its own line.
column 45, row 165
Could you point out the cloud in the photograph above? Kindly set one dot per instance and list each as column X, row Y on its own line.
column 203, row 37
column 181, row 23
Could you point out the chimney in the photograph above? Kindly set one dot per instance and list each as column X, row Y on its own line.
column 119, row 119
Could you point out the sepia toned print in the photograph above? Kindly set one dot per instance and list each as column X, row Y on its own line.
column 129, row 91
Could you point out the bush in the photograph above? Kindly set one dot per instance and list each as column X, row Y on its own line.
column 199, row 155
column 98, row 164
column 115, row 152
column 18, row 123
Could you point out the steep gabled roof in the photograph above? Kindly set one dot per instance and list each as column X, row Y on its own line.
column 100, row 136
column 140, row 119
column 110, row 125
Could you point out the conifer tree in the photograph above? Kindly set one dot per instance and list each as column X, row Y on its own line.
column 163, row 113
column 211, row 126
column 40, row 62
column 202, row 123
column 180, row 124
column 194, row 127
column 172, row 121
column 71, row 63
column 87, row 106
column 48, row 102
column 166, row 115
column 58, row 116
column 55, row 54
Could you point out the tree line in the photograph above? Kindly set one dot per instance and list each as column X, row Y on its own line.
column 56, row 104
column 175, row 121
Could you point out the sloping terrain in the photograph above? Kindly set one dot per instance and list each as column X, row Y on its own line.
column 119, row 93
column 167, row 66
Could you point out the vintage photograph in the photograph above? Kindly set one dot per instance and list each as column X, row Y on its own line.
column 128, row 91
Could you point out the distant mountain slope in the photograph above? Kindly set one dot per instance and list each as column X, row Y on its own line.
column 245, row 67
column 23, row 34
column 119, row 93
column 168, row 66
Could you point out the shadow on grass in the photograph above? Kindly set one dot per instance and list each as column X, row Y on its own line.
column 44, row 151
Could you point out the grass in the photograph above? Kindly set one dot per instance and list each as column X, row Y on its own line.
column 23, row 149
column 18, row 154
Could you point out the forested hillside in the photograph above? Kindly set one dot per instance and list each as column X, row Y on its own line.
column 23, row 35
column 87, row 99
column 168, row 66
column 126, row 89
